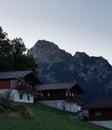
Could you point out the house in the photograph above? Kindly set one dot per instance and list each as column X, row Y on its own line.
column 20, row 83
column 100, row 110
column 64, row 96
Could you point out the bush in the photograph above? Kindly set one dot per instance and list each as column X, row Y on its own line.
column 27, row 113
column 10, row 108
column 2, row 109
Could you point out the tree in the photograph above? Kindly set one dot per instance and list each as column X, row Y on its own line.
column 5, row 52
column 12, row 54
column 18, row 47
column 21, row 61
column 5, row 47
column 2, row 34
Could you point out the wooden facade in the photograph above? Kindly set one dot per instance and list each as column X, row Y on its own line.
column 100, row 114
column 4, row 84
column 100, row 110
column 64, row 95
column 58, row 95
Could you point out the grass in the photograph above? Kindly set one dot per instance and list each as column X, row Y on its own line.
column 45, row 118
column 9, row 108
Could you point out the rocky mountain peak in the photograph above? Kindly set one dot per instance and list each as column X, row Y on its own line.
column 46, row 44
column 94, row 74
column 81, row 55
column 47, row 52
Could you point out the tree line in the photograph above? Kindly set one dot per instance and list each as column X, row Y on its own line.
column 12, row 54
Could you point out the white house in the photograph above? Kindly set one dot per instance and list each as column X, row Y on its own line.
column 21, row 84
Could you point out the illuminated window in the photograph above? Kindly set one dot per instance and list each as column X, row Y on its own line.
column 66, row 93
column 48, row 94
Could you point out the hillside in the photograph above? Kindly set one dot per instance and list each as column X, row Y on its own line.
column 46, row 118
column 55, row 65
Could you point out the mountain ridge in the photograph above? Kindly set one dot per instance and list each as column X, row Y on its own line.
column 94, row 74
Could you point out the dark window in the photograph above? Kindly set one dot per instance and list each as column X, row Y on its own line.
column 28, row 97
column 21, row 96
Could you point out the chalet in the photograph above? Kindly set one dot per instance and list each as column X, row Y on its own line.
column 100, row 110
column 64, row 96
column 21, row 84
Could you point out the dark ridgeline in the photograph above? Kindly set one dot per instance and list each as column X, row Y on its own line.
column 55, row 65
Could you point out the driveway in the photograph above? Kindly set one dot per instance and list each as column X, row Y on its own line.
column 107, row 124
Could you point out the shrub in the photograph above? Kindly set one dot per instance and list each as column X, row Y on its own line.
column 2, row 109
column 26, row 114
column 10, row 108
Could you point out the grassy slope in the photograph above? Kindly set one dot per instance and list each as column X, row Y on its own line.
column 45, row 118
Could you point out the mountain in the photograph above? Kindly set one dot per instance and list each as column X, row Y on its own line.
column 55, row 65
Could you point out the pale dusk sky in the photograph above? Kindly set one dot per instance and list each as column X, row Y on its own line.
column 74, row 25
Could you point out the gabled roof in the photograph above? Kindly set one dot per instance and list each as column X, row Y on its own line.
column 14, row 74
column 59, row 86
column 100, row 104
column 20, row 74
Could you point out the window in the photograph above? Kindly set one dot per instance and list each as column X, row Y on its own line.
column 48, row 94
column 66, row 93
column 42, row 95
column 98, row 113
column 13, row 83
column 21, row 96
column 20, row 83
column 69, row 93
column 28, row 97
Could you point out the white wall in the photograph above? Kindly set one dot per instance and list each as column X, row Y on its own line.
column 63, row 105
column 16, row 96
column 24, row 97
column 55, row 103
column 73, row 107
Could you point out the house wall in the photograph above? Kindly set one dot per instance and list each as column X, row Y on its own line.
column 46, row 95
column 4, row 84
column 24, row 97
column 52, row 95
column 73, row 107
column 60, row 104
column 100, row 114
column 16, row 96
column 63, row 105
column 61, row 99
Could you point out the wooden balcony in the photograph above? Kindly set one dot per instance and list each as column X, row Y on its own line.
column 27, row 90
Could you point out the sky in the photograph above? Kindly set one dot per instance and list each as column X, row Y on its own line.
column 74, row 25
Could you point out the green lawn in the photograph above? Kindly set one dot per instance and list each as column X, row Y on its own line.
column 46, row 118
